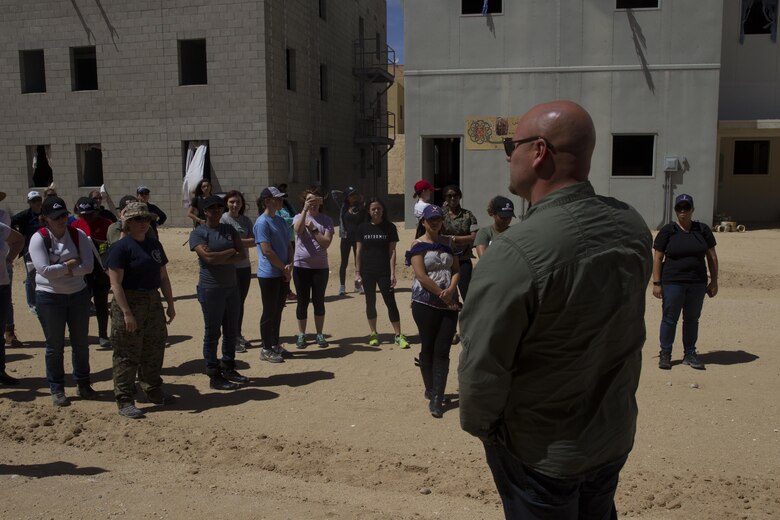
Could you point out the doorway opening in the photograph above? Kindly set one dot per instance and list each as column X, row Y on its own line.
column 441, row 163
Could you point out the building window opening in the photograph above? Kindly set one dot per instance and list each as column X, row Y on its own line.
column 89, row 158
column 290, row 60
column 323, row 10
column 759, row 17
column 751, row 158
column 636, row 4
column 324, row 82
column 32, row 71
column 632, row 155
column 83, row 67
column 39, row 172
column 480, row 6
column 192, row 62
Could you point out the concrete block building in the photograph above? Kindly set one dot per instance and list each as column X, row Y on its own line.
column 666, row 81
column 107, row 92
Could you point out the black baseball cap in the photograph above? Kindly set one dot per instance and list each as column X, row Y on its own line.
column 85, row 205
column 54, row 207
column 213, row 200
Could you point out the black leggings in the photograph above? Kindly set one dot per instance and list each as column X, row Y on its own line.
column 100, row 285
column 437, row 328
column 347, row 245
column 272, row 294
column 243, row 277
column 370, row 282
column 310, row 285
column 465, row 277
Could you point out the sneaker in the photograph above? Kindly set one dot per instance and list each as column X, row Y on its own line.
column 244, row 342
column 85, row 391
column 33, row 311
column 291, row 296
column 240, row 348
column 360, row 289
column 267, row 354
column 104, row 343
column 59, row 399
column 282, row 351
column 692, row 360
column 321, row 341
column 131, row 412
column 232, row 375
column 400, row 340
column 300, row 341
column 665, row 360
column 10, row 337
column 373, row 339
column 342, row 290
column 8, row 380
column 220, row 383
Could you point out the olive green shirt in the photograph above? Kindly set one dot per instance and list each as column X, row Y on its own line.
column 552, row 333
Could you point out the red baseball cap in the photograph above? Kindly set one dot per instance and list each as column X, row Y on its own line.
column 421, row 186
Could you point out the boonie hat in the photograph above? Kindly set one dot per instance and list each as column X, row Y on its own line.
column 503, row 207
column 421, row 186
column 85, row 205
column 138, row 210
column 213, row 200
column 272, row 192
column 142, row 189
column 54, row 207
column 34, row 195
column 432, row 211
column 684, row 197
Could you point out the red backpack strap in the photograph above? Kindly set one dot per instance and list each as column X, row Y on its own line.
column 73, row 232
column 74, row 235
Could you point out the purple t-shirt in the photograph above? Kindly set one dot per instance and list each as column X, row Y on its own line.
column 308, row 252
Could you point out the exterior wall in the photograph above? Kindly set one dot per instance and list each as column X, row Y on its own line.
column 141, row 115
column 395, row 99
column 635, row 72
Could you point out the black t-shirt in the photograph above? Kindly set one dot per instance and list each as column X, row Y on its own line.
column 684, row 252
column 351, row 218
column 375, row 250
column 141, row 262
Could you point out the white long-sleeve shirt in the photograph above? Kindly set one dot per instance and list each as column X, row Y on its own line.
column 51, row 272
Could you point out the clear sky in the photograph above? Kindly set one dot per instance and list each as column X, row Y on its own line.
column 395, row 28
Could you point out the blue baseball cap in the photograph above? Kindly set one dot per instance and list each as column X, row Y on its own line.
column 432, row 211
column 684, row 197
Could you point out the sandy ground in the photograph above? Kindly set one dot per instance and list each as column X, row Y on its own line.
column 344, row 432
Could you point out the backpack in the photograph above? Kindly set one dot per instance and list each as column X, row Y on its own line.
column 73, row 232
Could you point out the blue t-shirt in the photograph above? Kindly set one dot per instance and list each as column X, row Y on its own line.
column 274, row 231
column 224, row 236
column 141, row 262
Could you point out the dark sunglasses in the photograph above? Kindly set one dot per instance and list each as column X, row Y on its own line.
column 510, row 145
column 683, row 207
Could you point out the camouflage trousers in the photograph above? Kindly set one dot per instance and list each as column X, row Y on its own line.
column 140, row 352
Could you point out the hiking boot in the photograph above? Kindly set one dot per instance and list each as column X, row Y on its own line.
column 85, row 391
column 59, row 399
column 218, row 382
column 321, row 341
column 131, row 412
column 10, row 337
column 232, row 375
column 342, row 290
column 8, row 380
column 282, row 351
column 665, row 360
column 267, row 354
column 436, row 407
column 104, row 343
column 300, row 341
column 692, row 360
column 400, row 340
column 373, row 339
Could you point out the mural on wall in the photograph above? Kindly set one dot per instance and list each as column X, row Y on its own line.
column 488, row 132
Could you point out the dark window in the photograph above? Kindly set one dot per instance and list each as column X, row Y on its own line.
column 323, row 10
column 192, row 62
column 33, row 71
column 323, row 168
column 39, row 172
column 478, row 6
column 83, row 68
column 757, row 22
column 290, row 59
column 632, row 155
column 189, row 154
column 90, row 165
column 751, row 158
column 324, row 82
column 636, row 4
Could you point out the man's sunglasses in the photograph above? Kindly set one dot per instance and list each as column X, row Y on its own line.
column 510, row 145
column 683, row 207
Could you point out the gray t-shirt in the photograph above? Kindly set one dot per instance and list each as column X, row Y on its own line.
column 218, row 239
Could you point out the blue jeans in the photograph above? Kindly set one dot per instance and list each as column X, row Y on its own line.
column 220, row 307
column 689, row 299
column 54, row 312
column 526, row 493
column 5, row 311
column 29, row 289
